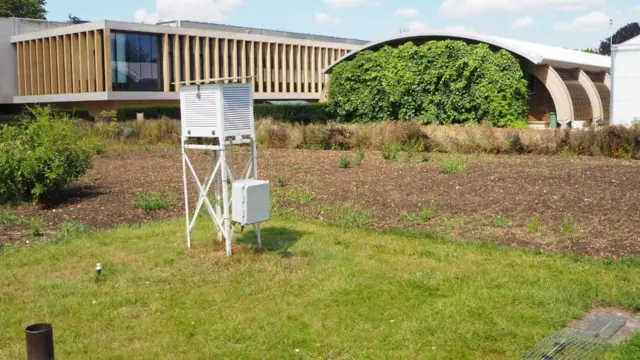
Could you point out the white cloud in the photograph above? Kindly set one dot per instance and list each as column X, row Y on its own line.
column 521, row 23
column 345, row 4
column 465, row 8
column 418, row 26
column 324, row 18
column 196, row 10
column 593, row 21
column 407, row 13
column 142, row 16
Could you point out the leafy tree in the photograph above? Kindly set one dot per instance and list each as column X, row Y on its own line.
column 438, row 82
column 73, row 19
column 625, row 33
column 590, row 51
column 30, row 9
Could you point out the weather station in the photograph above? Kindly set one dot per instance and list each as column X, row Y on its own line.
column 218, row 120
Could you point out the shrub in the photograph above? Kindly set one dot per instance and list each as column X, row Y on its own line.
column 306, row 114
column 151, row 201
column 326, row 137
column 39, row 157
column 359, row 157
column 390, row 152
column 453, row 164
column 438, row 82
column 345, row 162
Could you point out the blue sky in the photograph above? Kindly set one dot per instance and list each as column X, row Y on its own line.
column 569, row 23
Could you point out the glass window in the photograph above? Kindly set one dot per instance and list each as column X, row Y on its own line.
column 135, row 62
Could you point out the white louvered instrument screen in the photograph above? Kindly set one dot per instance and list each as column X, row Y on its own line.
column 237, row 109
column 200, row 111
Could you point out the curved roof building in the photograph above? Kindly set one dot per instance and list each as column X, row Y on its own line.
column 573, row 84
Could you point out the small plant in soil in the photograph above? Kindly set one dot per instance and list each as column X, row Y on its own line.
column 390, row 152
column 426, row 158
column 457, row 222
column 73, row 228
column 501, row 222
column 569, row 225
column 345, row 162
column 36, row 227
column 8, row 218
column 453, row 164
column 360, row 154
column 282, row 182
column 151, row 201
column 533, row 226
column 426, row 215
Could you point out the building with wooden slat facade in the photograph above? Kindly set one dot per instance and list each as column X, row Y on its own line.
column 105, row 64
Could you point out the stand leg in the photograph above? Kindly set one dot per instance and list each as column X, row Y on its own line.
column 254, row 165
column 218, row 189
column 225, row 202
column 259, row 235
column 186, row 195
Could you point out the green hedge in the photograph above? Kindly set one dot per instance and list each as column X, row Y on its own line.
column 150, row 112
column 75, row 113
column 439, row 82
column 308, row 113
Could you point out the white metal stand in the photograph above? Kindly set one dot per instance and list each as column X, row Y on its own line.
column 220, row 176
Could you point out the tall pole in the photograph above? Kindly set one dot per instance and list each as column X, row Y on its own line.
column 611, row 41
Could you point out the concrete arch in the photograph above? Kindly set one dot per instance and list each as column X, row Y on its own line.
column 535, row 53
column 557, row 88
column 594, row 97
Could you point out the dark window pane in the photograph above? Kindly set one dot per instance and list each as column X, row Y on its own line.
column 145, row 48
column 135, row 61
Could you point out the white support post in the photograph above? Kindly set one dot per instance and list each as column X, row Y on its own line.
column 226, row 223
column 218, row 190
column 186, row 194
column 254, row 166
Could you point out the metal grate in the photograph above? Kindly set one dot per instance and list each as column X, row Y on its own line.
column 568, row 345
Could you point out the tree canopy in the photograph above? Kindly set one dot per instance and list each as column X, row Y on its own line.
column 30, row 9
column 623, row 34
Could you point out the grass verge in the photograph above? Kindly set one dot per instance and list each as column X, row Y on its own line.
column 340, row 293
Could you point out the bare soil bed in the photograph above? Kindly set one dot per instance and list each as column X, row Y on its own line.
column 579, row 205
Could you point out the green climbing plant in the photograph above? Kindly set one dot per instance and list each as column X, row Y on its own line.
column 445, row 82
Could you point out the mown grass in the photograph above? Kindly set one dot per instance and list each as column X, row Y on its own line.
column 339, row 293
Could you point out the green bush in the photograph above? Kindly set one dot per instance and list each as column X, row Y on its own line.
column 306, row 114
column 438, row 82
column 39, row 157
column 125, row 113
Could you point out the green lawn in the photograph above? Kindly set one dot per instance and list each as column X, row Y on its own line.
column 320, row 292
